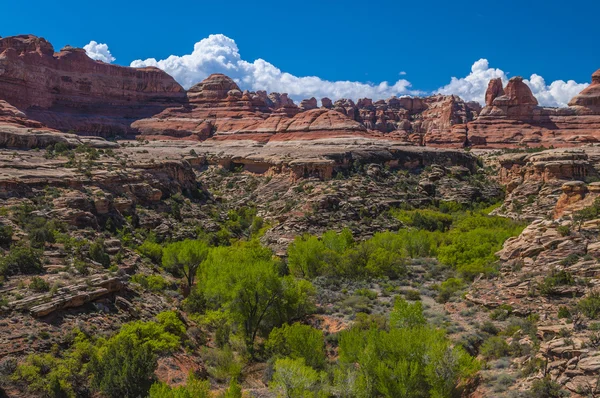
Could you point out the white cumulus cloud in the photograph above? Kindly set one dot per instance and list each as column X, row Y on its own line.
column 99, row 52
column 220, row 54
column 472, row 87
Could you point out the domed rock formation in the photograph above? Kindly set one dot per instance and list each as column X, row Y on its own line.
column 588, row 101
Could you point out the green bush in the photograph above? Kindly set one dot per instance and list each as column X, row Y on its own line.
column 194, row 388
column 6, row 233
column 430, row 220
column 495, row 347
column 413, row 358
column 448, row 288
column 37, row 284
column 294, row 379
column 298, row 341
column 124, row 368
column 564, row 312
column 152, row 250
column 412, row 295
column 590, row 305
column 153, row 283
column 546, row 388
column 21, row 259
column 98, row 253
column 557, row 278
column 502, row 312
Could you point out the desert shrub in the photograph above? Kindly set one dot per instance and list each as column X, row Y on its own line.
column 152, row 250
column 366, row 321
column 98, row 253
column 38, row 284
column 406, row 315
column 294, row 379
column 298, row 341
column 412, row 295
column 194, row 388
column 21, row 259
column 557, row 278
column 45, row 375
column 430, row 220
column 564, row 312
column 489, row 328
column 590, row 305
column 41, row 231
column 222, row 363
column 368, row 293
column 571, row 259
column 494, row 347
column 564, row 230
column 448, row 288
column 153, row 283
column 195, row 303
column 502, row 312
column 546, row 388
column 6, row 233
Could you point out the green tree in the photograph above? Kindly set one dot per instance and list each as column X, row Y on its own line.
column 125, row 368
column 298, row 341
column 412, row 359
column 244, row 280
column 21, row 259
column 185, row 257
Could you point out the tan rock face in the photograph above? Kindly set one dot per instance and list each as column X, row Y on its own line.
column 69, row 91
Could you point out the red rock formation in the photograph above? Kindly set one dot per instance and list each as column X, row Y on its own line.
column 217, row 109
column 588, row 101
column 515, row 119
column 494, row 90
column 70, row 91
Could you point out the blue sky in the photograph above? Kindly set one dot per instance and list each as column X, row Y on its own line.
column 358, row 41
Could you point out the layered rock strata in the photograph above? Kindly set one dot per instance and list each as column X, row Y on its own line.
column 512, row 118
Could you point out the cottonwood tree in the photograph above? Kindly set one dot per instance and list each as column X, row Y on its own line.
column 184, row 258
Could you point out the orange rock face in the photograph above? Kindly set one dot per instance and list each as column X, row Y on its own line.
column 70, row 91
column 514, row 118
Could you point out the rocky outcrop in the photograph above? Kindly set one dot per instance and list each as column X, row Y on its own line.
column 69, row 296
column 218, row 109
column 512, row 118
column 68, row 90
column 434, row 121
column 535, row 181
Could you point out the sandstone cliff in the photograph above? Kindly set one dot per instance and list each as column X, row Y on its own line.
column 68, row 90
